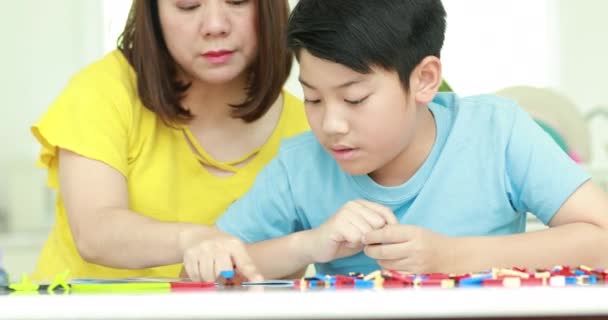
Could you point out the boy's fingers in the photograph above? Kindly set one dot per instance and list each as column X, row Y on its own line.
column 403, row 265
column 351, row 233
column 387, row 235
column 383, row 211
column 365, row 218
column 251, row 273
column 375, row 220
column 386, row 251
column 337, row 237
column 362, row 225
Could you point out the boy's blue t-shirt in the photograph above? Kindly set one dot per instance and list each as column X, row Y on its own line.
column 489, row 166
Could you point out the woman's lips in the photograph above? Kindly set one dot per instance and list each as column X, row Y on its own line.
column 218, row 57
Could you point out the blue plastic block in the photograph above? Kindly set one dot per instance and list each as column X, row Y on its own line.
column 227, row 274
column 361, row 284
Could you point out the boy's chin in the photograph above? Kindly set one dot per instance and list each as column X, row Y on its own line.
column 353, row 170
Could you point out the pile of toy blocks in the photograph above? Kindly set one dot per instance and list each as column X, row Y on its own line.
column 513, row 277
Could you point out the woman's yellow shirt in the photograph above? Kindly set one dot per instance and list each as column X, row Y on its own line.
column 100, row 116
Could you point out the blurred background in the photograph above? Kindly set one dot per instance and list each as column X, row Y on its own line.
column 547, row 54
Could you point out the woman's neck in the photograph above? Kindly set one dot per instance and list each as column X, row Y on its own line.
column 211, row 102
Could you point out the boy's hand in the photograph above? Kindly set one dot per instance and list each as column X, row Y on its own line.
column 205, row 260
column 341, row 235
column 408, row 248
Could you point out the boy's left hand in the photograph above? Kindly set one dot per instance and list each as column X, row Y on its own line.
column 408, row 248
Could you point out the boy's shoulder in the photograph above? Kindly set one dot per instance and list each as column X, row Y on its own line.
column 305, row 141
column 301, row 155
column 477, row 109
column 492, row 101
column 302, row 150
column 452, row 100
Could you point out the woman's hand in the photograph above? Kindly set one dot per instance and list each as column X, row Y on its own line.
column 205, row 258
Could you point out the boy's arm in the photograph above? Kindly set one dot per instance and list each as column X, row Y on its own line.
column 338, row 237
column 284, row 257
column 542, row 179
column 578, row 236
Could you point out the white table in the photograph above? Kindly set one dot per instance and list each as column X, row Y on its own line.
column 403, row 304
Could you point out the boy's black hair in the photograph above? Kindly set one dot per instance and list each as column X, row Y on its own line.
column 392, row 34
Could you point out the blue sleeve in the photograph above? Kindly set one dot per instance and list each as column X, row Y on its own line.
column 267, row 211
column 540, row 175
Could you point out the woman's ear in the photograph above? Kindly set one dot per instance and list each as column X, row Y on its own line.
column 426, row 80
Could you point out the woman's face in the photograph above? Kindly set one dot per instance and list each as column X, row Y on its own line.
column 212, row 41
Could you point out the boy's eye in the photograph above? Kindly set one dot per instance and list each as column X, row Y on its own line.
column 356, row 102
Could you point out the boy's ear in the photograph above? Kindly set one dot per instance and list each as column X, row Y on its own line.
column 426, row 80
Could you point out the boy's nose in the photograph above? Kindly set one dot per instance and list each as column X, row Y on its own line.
column 334, row 123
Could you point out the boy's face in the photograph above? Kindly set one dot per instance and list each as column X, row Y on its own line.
column 365, row 121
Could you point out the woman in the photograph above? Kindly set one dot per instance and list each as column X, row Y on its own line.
column 149, row 145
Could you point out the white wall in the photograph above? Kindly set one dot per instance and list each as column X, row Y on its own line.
column 584, row 66
column 44, row 42
column 115, row 14
column 584, row 48
column 292, row 84
column 492, row 44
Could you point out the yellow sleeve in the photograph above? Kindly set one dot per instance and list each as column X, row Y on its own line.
column 91, row 117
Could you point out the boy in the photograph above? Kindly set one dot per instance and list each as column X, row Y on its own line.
column 397, row 176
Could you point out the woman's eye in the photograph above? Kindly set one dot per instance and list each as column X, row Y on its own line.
column 188, row 7
column 237, row 2
column 310, row 101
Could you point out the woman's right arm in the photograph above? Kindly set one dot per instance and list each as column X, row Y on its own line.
column 105, row 231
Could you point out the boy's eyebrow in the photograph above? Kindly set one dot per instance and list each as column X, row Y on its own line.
column 340, row 86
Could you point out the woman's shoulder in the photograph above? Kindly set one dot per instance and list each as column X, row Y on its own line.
column 106, row 85
column 291, row 100
column 97, row 115
column 112, row 71
column 102, row 95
